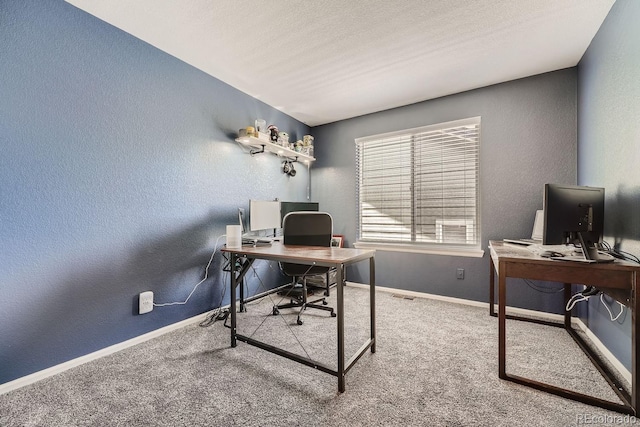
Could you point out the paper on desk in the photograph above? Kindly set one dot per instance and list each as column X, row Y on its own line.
column 566, row 250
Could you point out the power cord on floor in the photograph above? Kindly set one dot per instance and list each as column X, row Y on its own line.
column 222, row 314
column 214, row 316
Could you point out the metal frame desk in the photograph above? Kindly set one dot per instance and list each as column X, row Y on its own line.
column 308, row 255
column 619, row 279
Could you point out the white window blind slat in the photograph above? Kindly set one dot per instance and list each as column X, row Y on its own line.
column 420, row 186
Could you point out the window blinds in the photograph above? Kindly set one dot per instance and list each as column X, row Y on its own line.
column 420, row 186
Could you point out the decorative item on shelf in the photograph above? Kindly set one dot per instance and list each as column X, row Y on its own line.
column 287, row 168
column 307, row 145
column 261, row 142
column 261, row 126
column 283, row 139
column 273, row 131
column 307, row 150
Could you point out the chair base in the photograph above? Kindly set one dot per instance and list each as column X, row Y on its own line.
column 303, row 306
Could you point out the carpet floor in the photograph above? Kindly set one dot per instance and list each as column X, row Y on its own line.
column 436, row 364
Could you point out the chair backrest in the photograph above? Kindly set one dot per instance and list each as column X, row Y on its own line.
column 310, row 229
column 307, row 228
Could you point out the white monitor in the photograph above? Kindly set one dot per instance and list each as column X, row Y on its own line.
column 538, row 226
column 264, row 215
column 241, row 220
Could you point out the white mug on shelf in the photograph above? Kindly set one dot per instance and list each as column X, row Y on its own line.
column 261, row 126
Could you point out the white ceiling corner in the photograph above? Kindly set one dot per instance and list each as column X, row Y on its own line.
column 330, row 60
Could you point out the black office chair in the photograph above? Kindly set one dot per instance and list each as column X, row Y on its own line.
column 308, row 229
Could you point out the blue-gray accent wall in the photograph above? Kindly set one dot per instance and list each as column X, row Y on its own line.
column 609, row 147
column 118, row 172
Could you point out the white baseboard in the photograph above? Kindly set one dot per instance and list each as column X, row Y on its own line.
column 421, row 295
column 622, row 370
column 49, row 372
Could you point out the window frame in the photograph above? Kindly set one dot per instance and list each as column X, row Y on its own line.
column 452, row 249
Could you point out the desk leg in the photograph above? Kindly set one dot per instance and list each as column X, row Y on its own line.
column 232, row 305
column 502, row 334
column 242, row 307
column 567, row 297
column 372, row 301
column 340, row 309
column 492, row 287
column 635, row 328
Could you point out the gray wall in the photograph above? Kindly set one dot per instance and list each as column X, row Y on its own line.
column 118, row 172
column 528, row 138
column 609, row 146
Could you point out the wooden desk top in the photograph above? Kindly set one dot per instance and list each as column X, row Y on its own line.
column 512, row 261
column 511, row 251
column 304, row 254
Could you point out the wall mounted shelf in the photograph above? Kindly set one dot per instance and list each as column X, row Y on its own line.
column 258, row 144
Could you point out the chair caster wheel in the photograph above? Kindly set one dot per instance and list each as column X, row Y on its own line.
column 324, row 302
column 333, row 314
column 299, row 322
column 276, row 311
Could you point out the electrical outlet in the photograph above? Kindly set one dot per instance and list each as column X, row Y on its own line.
column 146, row 302
column 460, row 273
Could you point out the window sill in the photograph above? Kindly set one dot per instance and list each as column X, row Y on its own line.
column 447, row 250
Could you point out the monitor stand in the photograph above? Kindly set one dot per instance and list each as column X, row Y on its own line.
column 591, row 253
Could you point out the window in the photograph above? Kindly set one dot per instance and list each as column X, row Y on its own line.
column 419, row 187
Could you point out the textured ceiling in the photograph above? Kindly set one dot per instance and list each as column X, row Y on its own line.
column 327, row 60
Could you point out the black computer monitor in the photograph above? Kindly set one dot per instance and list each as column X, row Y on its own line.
column 286, row 207
column 574, row 215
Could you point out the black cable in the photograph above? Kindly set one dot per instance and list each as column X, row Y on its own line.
column 214, row 316
column 629, row 257
column 541, row 288
column 620, row 254
column 217, row 313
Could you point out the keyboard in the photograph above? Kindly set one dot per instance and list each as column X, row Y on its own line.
column 256, row 240
column 574, row 258
column 603, row 257
column 523, row 242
